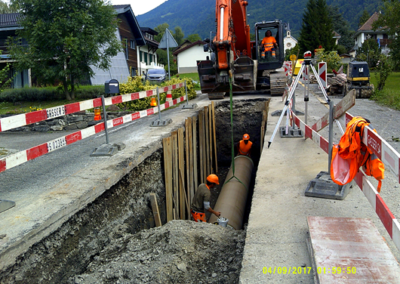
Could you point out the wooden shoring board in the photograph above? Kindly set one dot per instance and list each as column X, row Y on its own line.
column 190, row 133
column 175, row 172
column 167, row 149
column 353, row 245
column 210, row 145
column 184, row 195
column 195, row 173
column 338, row 110
column 201, row 139
column 187, row 158
column 215, row 137
column 154, row 207
column 207, row 146
column 181, row 151
column 262, row 136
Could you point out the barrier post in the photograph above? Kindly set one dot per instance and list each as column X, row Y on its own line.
column 159, row 122
column 187, row 105
column 105, row 118
column 111, row 87
column 330, row 135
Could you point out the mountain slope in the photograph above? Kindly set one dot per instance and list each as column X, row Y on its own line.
column 198, row 16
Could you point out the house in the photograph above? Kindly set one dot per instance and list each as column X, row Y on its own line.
column 147, row 53
column 123, row 65
column 126, row 62
column 336, row 36
column 366, row 32
column 289, row 42
column 188, row 55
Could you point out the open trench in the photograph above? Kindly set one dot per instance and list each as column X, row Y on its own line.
column 114, row 239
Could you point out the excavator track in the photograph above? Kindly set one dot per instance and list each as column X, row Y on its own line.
column 216, row 96
column 277, row 83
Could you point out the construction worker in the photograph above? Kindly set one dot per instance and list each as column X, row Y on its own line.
column 268, row 44
column 201, row 199
column 244, row 146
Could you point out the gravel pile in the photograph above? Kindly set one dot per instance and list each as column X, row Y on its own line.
column 178, row 252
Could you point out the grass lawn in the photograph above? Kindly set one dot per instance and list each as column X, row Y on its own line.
column 22, row 107
column 390, row 96
column 194, row 77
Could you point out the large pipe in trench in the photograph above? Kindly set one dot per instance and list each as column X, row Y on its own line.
column 232, row 199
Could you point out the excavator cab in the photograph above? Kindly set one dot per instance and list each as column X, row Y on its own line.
column 269, row 48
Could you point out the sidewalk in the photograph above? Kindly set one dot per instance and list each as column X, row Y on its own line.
column 277, row 228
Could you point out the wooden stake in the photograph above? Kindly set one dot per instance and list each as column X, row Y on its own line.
column 167, row 147
column 187, row 158
column 154, row 207
column 181, row 150
column 208, row 170
column 201, row 138
column 196, row 175
column 185, row 197
column 175, row 167
column 190, row 132
column 262, row 136
column 210, row 139
column 215, row 137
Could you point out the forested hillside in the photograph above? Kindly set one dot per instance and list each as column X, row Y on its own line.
column 198, row 16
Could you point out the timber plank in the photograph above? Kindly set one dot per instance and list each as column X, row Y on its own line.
column 181, row 150
column 175, row 167
column 167, row 147
column 196, row 175
column 215, row 137
column 154, row 207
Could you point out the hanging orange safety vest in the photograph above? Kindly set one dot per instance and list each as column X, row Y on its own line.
column 351, row 154
column 244, row 148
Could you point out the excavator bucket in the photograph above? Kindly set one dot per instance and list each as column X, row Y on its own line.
column 243, row 73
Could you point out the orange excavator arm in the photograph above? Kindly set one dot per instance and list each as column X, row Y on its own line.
column 233, row 32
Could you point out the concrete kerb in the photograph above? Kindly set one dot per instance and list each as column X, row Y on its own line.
column 47, row 213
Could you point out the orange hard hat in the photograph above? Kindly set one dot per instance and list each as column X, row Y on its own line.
column 213, row 179
column 246, row 137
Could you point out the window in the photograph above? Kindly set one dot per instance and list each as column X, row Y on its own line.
column 145, row 58
column 141, row 56
column 133, row 45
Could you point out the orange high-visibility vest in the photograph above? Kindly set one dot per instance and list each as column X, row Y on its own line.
column 268, row 43
column 351, row 153
column 244, row 148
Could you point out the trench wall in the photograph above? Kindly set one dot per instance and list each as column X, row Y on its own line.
column 68, row 251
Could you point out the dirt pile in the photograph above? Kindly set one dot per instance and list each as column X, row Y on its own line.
column 178, row 252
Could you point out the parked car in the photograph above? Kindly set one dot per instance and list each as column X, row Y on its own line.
column 158, row 74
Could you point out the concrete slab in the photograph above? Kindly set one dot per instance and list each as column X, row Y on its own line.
column 347, row 250
column 277, row 227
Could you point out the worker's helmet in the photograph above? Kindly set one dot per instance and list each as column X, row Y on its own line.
column 213, row 179
column 246, row 137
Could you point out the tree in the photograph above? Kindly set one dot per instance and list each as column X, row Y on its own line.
column 369, row 51
column 64, row 38
column 389, row 21
column 161, row 30
column 317, row 29
column 6, row 8
column 364, row 17
column 384, row 67
column 342, row 27
column 193, row 38
column 179, row 35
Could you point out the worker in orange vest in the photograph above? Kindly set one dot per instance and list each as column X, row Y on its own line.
column 268, row 44
column 201, row 199
column 244, row 146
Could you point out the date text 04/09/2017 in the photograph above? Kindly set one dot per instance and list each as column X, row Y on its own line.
column 307, row 270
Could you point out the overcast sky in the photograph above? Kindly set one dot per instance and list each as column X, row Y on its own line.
column 139, row 6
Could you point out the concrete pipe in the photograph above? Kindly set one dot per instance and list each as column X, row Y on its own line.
column 232, row 199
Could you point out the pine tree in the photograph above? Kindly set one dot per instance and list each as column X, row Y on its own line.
column 317, row 29
column 342, row 27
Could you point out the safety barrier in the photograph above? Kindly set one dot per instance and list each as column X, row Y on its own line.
column 19, row 120
column 50, row 146
column 378, row 145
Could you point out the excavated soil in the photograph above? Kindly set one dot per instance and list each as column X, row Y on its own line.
column 178, row 252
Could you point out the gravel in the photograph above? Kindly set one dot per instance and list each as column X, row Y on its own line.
column 178, row 252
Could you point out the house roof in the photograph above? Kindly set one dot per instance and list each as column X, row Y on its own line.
column 336, row 35
column 368, row 24
column 183, row 44
column 148, row 30
column 9, row 21
column 127, row 10
column 199, row 42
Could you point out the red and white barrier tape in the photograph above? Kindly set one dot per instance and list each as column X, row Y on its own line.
column 40, row 150
column 389, row 221
column 382, row 149
column 19, row 120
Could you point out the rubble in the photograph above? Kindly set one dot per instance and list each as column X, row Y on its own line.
column 178, row 252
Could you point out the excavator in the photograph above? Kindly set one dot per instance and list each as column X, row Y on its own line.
column 235, row 59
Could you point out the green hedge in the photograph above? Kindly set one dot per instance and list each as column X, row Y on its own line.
column 48, row 94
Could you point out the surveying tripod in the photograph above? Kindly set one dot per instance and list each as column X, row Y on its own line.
column 305, row 65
